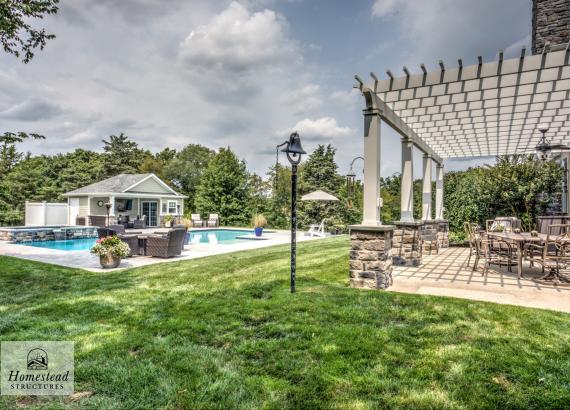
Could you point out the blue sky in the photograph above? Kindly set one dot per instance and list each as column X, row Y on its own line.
column 242, row 74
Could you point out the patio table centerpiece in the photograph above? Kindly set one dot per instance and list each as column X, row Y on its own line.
column 110, row 251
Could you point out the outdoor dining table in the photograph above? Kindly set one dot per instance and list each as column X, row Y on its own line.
column 519, row 240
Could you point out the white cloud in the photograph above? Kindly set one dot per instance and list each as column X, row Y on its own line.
column 238, row 41
column 320, row 129
column 451, row 29
column 382, row 8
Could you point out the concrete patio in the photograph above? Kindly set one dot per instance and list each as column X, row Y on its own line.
column 447, row 274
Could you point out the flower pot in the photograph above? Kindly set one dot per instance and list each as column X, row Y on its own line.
column 109, row 261
column 258, row 231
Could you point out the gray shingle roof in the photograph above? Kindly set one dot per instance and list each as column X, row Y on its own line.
column 118, row 183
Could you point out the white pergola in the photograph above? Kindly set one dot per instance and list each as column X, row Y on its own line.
column 486, row 109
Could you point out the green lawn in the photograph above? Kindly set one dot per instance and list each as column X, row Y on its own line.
column 224, row 332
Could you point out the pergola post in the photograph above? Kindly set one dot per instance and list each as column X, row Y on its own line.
column 439, row 192
column 407, row 184
column 426, row 189
column 371, row 212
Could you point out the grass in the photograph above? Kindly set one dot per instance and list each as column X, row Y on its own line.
column 224, row 332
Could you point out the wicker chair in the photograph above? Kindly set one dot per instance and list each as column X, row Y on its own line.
column 97, row 220
column 132, row 241
column 139, row 223
column 166, row 246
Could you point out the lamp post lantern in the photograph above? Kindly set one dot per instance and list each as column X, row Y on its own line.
column 294, row 150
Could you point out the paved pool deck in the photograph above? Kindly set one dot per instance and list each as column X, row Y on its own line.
column 87, row 261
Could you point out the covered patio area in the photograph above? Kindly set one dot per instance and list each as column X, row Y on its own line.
column 501, row 107
column 447, row 274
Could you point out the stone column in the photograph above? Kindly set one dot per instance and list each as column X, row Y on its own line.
column 439, row 192
column 371, row 256
column 426, row 189
column 371, row 212
column 407, row 244
column 407, row 183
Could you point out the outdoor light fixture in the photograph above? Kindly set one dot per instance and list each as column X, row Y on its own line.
column 544, row 148
column 294, row 150
column 108, row 205
column 351, row 182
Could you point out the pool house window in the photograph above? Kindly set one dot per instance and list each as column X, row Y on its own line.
column 172, row 209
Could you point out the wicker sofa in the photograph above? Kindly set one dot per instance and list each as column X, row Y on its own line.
column 166, row 246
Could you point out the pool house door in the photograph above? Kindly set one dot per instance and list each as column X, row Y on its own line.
column 150, row 209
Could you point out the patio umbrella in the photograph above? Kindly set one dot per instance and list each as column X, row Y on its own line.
column 319, row 196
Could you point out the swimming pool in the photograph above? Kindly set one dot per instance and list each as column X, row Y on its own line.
column 211, row 236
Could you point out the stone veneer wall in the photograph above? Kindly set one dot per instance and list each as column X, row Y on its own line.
column 407, row 244
column 370, row 257
column 46, row 234
column 443, row 234
column 550, row 23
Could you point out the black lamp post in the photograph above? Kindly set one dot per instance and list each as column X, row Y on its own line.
column 294, row 150
column 108, row 205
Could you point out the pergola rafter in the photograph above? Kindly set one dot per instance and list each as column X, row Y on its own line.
column 484, row 109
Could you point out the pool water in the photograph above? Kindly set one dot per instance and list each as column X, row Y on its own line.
column 68, row 245
column 212, row 236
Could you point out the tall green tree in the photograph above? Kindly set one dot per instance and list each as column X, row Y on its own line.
column 122, row 156
column 279, row 206
column 223, row 189
column 186, row 169
column 18, row 35
column 9, row 155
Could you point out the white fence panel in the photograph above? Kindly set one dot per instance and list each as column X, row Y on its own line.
column 44, row 213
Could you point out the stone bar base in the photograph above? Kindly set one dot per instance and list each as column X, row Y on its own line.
column 371, row 256
column 430, row 242
column 407, row 244
column 443, row 233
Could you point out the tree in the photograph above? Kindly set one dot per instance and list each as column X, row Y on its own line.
column 185, row 170
column 17, row 35
column 259, row 192
column 279, row 206
column 9, row 156
column 122, row 156
column 223, row 189
column 320, row 171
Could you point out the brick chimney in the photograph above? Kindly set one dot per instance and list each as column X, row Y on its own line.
column 550, row 23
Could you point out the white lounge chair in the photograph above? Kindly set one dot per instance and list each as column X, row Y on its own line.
column 213, row 221
column 197, row 221
column 317, row 230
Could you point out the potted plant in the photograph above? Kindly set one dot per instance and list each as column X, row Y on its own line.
column 110, row 251
column 168, row 220
column 187, row 225
column 259, row 223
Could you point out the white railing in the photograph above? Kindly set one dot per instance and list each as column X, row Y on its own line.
column 45, row 213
